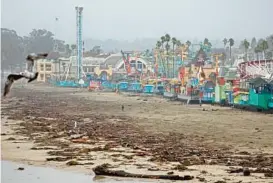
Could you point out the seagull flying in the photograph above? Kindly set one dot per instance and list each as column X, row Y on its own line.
column 32, row 57
column 28, row 74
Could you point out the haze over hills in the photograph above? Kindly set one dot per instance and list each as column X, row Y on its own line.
column 139, row 44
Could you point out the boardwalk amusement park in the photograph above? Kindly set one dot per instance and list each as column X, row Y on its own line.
column 177, row 106
column 193, row 73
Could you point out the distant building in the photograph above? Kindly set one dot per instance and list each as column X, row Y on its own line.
column 46, row 68
column 67, row 67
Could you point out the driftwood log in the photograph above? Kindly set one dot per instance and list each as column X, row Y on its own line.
column 103, row 170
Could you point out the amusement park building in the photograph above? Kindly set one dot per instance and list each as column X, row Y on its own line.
column 62, row 66
column 117, row 63
column 114, row 65
column 90, row 65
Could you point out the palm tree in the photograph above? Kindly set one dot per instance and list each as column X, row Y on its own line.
column 188, row 43
column 263, row 46
column 257, row 50
column 253, row 43
column 180, row 46
column 225, row 42
column 73, row 48
column 178, row 43
column 158, row 44
column 167, row 46
column 174, row 42
column 231, row 43
column 206, row 41
column 163, row 40
column 246, row 46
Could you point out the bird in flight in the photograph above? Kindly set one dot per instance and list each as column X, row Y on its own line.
column 28, row 74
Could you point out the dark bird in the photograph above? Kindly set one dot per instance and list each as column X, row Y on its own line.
column 122, row 107
column 32, row 57
column 10, row 79
column 28, row 74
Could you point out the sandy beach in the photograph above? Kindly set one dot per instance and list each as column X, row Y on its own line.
column 77, row 130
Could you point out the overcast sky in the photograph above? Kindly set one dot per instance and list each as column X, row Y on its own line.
column 131, row 19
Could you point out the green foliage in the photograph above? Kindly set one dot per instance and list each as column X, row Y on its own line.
column 40, row 40
column 163, row 40
column 188, row 43
column 12, row 48
column 225, row 41
column 167, row 37
column 231, row 42
column 15, row 48
column 206, row 41
column 178, row 43
column 73, row 46
column 158, row 44
column 174, row 41
column 263, row 45
column 246, row 44
column 253, row 43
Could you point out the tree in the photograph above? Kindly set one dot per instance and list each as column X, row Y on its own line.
column 225, row 41
column 246, row 46
column 158, row 44
column 12, row 48
column 206, row 41
column 269, row 40
column 147, row 53
column 263, row 46
column 257, row 50
column 40, row 40
column 59, row 45
column 68, row 50
column 188, row 43
column 231, row 43
column 167, row 47
column 96, row 50
column 178, row 43
column 174, row 42
column 163, row 40
column 253, row 43
column 180, row 46
column 73, row 47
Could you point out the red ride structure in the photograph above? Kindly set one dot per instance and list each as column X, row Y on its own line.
column 126, row 59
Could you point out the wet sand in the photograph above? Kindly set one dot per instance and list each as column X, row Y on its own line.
column 151, row 136
column 34, row 174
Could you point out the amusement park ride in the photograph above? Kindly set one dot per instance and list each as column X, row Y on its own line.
column 80, row 74
column 258, row 68
column 126, row 56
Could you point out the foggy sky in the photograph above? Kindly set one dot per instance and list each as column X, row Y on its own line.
column 131, row 19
